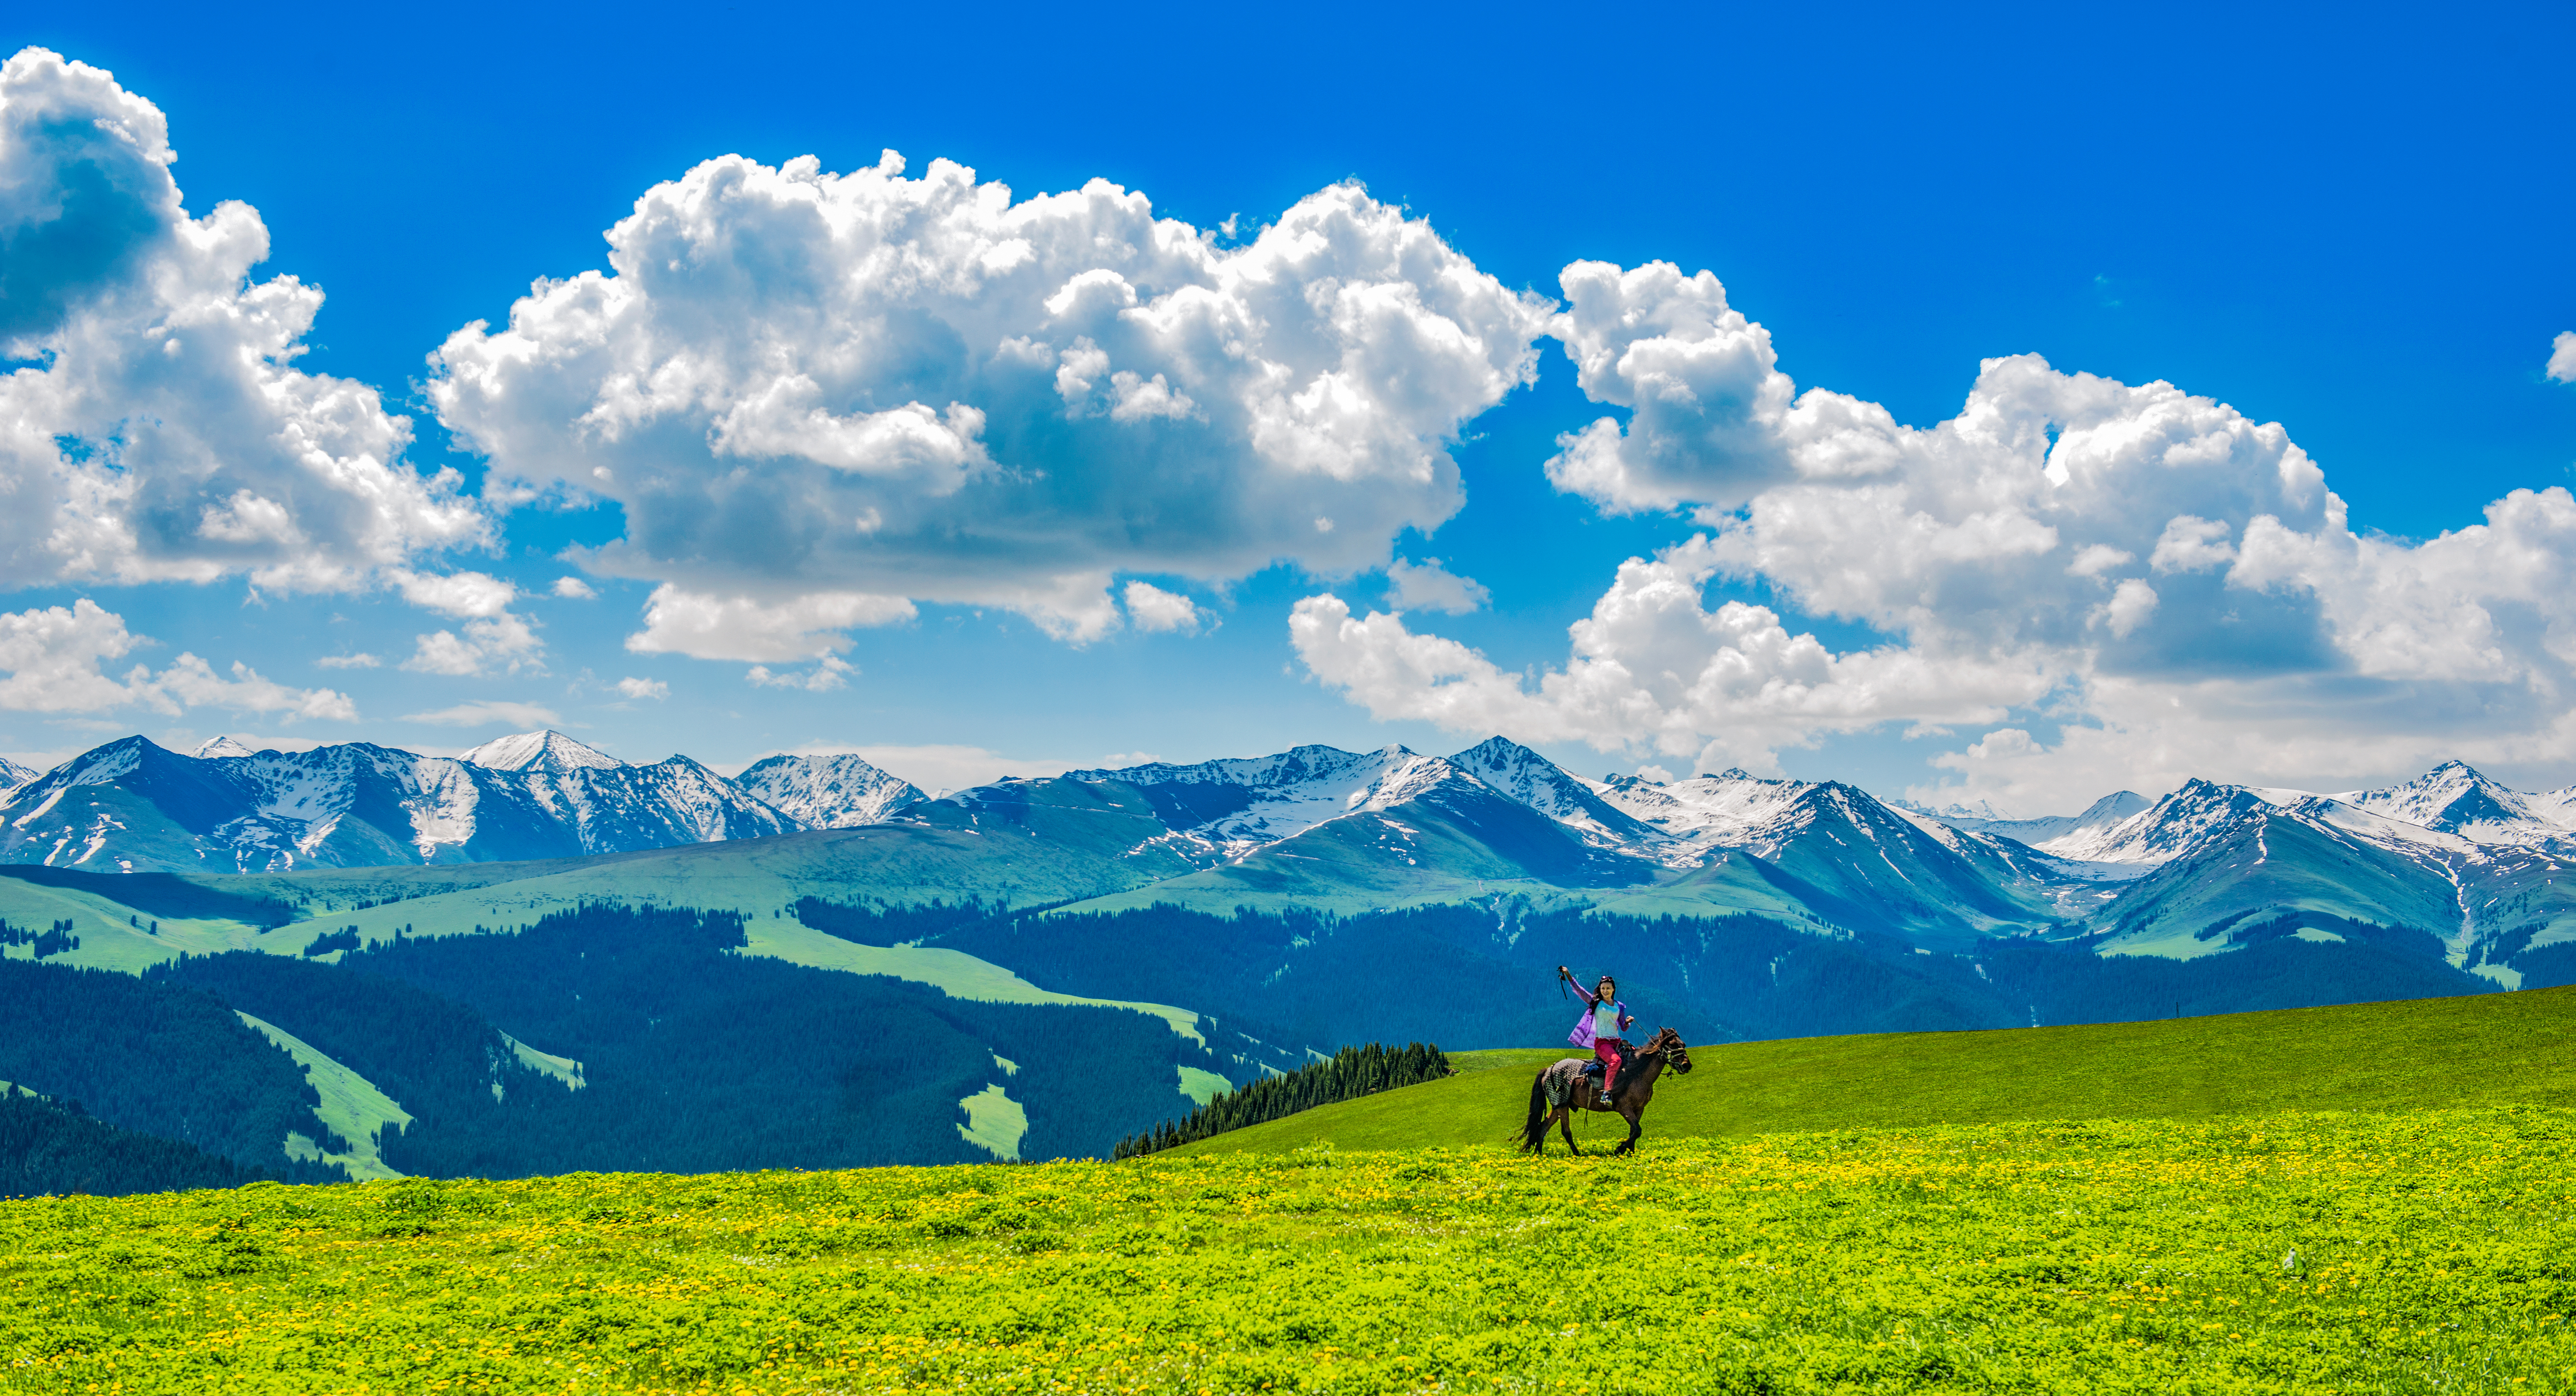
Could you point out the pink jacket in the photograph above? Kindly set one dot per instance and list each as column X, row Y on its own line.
column 1582, row 1034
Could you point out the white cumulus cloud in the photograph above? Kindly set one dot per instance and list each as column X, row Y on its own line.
column 503, row 643
column 162, row 432
column 2004, row 558
column 489, row 713
column 751, row 627
column 2562, row 357
column 53, row 656
column 828, row 673
column 477, row 595
column 575, row 589
column 805, row 387
column 640, row 689
column 194, row 682
column 1152, row 608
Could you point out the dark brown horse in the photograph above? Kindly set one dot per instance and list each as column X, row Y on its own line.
column 1562, row 1089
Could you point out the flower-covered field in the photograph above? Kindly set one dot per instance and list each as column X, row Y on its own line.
column 2316, row 1253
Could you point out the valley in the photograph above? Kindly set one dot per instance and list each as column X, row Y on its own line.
column 1194, row 925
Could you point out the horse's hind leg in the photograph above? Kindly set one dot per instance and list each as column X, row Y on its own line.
column 1565, row 1126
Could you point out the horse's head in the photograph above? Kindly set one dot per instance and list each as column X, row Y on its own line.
column 1675, row 1051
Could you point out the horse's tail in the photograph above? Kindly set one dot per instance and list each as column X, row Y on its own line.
column 1534, row 1134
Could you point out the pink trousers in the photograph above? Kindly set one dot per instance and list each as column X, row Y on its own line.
column 1607, row 1050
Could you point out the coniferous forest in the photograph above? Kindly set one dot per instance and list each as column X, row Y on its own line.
column 1346, row 1075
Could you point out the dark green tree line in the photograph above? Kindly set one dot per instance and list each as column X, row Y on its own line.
column 1347, row 1075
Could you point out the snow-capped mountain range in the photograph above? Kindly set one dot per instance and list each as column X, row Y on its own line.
column 2469, row 866
column 133, row 806
column 825, row 792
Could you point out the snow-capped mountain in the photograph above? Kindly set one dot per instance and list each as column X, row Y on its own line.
column 1855, row 852
column 827, row 792
column 1984, row 818
column 551, row 752
column 2473, row 870
column 1729, row 810
column 1221, row 811
column 132, row 805
column 1521, row 774
column 2169, row 828
column 2455, row 799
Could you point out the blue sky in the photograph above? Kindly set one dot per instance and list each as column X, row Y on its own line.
column 2350, row 223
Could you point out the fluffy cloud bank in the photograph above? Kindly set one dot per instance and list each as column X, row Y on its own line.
column 2158, row 584
column 820, row 398
column 155, row 427
column 51, row 661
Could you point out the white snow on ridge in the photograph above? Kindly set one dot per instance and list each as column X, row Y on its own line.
column 2454, row 798
column 2170, row 827
column 2373, row 827
column 550, row 751
column 1730, row 810
column 839, row 791
column 221, row 748
column 1521, row 774
column 2450, row 811
column 1277, row 797
column 1249, row 803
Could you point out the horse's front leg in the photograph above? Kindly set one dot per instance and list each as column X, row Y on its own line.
column 1565, row 1126
column 1636, row 1129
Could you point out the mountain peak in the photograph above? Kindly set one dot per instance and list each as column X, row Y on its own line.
column 2453, row 798
column 548, row 751
column 221, row 748
column 837, row 791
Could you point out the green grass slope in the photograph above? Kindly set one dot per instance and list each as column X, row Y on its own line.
column 2413, row 1054
column 1020, row 860
column 2269, row 869
column 2301, row 1254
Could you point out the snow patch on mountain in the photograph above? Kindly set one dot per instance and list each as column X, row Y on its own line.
column 1729, row 810
column 2454, row 798
column 1225, row 810
column 840, row 791
column 1518, row 773
column 221, row 748
column 1982, row 818
column 547, row 751
column 2170, row 827
column 359, row 805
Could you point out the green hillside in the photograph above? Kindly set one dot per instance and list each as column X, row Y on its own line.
column 2494, row 1049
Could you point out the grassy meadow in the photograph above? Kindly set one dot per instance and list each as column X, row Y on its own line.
column 2495, row 1049
column 2419, row 1239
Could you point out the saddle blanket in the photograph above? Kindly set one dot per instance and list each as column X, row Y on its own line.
column 1558, row 1081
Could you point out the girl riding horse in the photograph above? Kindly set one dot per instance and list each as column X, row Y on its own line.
column 1604, row 1018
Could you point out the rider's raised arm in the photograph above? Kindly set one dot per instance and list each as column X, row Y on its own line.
column 1589, row 998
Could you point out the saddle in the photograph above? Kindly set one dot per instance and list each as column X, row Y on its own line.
column 1599, row 1070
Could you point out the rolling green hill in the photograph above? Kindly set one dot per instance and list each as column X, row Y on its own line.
column 2503, row 1049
